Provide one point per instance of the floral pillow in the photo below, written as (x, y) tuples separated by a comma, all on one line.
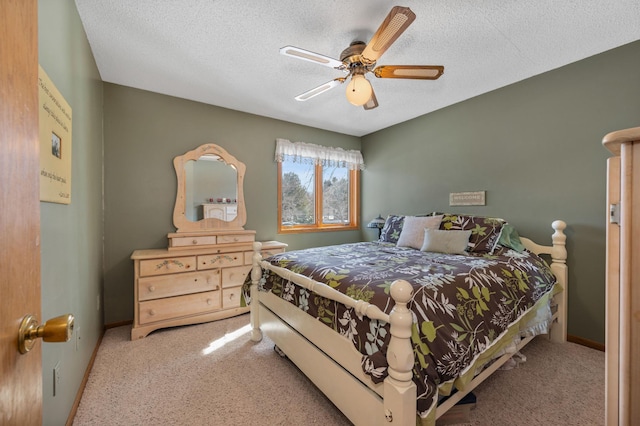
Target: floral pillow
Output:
[(392, 228), (485, 231)]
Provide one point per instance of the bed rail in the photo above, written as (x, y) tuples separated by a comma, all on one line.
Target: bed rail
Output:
[(360, 306)]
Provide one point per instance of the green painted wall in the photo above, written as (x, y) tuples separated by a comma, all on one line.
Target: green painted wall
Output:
[(143, 132), (535, 147), (71, 235)]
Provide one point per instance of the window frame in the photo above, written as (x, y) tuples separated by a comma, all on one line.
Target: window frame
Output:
[(318, 226)]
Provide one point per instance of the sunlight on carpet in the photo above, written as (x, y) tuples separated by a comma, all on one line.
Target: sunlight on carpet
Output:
[(227, 338)]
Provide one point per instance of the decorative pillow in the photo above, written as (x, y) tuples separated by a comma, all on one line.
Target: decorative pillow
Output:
[(412, 234), (485, 231), (391, 230), (510, 238), (441, 241)]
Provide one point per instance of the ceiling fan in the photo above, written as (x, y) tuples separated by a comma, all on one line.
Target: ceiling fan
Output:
[(360, 58)]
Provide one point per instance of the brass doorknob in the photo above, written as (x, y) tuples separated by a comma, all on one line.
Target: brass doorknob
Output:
[(58, 329)]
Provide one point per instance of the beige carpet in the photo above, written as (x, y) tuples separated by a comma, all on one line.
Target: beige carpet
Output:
[(187, 376)]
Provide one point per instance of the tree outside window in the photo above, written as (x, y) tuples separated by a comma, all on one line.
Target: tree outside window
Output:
[(315, 197)]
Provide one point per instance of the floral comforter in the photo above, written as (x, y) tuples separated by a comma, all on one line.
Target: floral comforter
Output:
[(460, 304)]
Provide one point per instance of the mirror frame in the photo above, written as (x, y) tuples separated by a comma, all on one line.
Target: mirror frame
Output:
[(180, 220)]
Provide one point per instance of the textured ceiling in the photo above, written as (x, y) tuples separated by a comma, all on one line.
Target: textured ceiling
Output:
[(226, 52)]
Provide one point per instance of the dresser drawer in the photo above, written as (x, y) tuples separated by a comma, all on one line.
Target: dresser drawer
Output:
[(219, 260), (194, 241), (173, 285), (235, 238), (174, 307), (167, 265), (233, 277), (231, 297)]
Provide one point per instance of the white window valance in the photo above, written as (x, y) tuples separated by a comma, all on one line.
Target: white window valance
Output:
[(309, 153)]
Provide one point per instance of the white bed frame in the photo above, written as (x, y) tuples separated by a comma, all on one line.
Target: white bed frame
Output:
[(332, 363)]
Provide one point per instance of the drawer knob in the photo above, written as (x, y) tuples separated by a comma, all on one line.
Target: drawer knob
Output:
[(195, 241), (152, 312), (231, 296), (209, 302), (235, 239), (152, 288)]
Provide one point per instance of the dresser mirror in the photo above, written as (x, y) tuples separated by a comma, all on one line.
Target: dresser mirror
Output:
[(210, 195)]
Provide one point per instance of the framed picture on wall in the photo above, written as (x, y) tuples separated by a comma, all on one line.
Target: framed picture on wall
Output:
[(55, 142), (56, 145)]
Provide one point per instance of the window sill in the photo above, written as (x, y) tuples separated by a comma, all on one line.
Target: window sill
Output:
[(325, 228)]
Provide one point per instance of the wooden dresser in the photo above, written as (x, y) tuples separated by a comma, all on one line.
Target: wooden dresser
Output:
[(622, 371), (196, 279)]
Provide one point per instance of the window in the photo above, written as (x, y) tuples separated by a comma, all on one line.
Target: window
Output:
[(318, 187)]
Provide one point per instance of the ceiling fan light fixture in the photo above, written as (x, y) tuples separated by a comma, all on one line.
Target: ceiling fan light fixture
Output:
[(359, 90), (359, 59)]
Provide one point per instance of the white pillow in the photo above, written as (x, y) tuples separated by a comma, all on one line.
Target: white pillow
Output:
[(412, 234), (445, 241)]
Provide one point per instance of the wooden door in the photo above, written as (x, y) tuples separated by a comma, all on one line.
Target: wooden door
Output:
[(20, 375)]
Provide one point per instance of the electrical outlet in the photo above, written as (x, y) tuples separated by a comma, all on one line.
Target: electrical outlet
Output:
[(56, 379), (76, 331)]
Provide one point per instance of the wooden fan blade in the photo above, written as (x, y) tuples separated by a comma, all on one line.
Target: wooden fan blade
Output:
[(418, 72), (316, 58), (391, 28), (320, 89), (372, 102)]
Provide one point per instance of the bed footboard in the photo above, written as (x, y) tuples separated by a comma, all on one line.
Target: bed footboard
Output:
[(399, 401)]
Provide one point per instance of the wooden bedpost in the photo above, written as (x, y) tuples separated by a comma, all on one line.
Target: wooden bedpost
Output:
[(559, 267), (558, 253), (399, 389), (256, 274)]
